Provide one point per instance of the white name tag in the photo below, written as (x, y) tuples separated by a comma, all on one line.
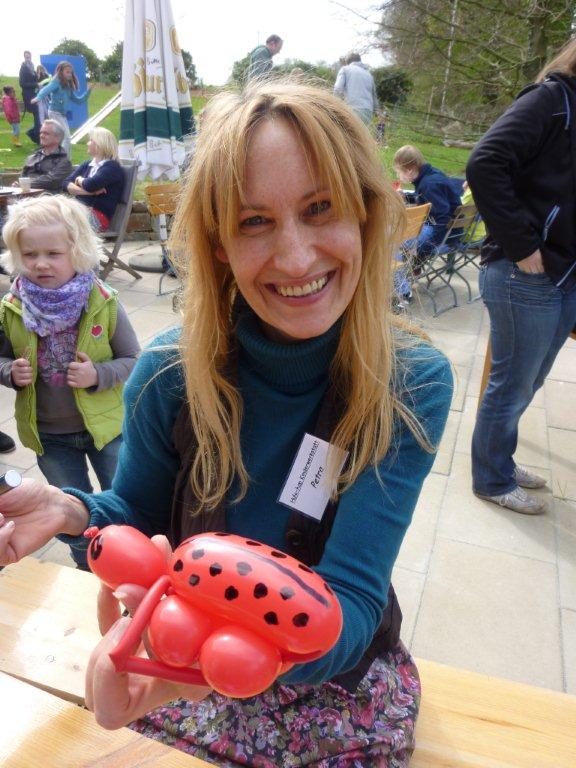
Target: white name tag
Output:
[(307, 489)]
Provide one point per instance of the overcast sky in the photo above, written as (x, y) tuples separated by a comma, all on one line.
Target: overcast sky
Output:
[(215, 33)]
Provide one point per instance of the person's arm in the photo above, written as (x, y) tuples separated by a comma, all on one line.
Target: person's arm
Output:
[(107, 174), (46, 90), (141, 493), (373, 517), (438, 195), (52, 179), (340, 84), (80, 98), (6, 360), (504, 151), (125, 348)]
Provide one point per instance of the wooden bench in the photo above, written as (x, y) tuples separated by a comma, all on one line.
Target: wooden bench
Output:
[(39, 729), (467, 720)]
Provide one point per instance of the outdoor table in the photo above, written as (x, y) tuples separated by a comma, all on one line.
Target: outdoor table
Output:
[(48, 625), (41, 729), (14, 193)]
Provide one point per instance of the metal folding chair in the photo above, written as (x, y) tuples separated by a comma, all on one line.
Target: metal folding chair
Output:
[(161, 201), (442, 263)]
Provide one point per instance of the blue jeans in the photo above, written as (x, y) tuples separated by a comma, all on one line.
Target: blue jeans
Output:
[(530, 319), (63, 463)]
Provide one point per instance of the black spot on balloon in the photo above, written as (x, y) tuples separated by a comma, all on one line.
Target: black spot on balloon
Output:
[(96, 547), (275, 553), (243, 568), (193, 579), (271, 618), (304, 568), (300, 619), (260, 590), (286, 593), (328, 589), (197, 554), (221, 534), (231, 593), (178, 565), (253, 543), (215, 569)]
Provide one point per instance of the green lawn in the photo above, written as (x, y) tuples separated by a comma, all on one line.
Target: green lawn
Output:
[(449, 159)]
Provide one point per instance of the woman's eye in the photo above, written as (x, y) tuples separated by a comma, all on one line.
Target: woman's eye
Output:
[(319, 207), (253, 221)]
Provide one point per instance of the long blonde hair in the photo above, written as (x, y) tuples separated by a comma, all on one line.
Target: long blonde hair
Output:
[(339, 147), (564, 61)]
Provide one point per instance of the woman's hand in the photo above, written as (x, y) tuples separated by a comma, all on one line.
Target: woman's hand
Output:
[(118, 698), (32, 514), (82, 373), (21, 372), (78, 180), (532, 264)]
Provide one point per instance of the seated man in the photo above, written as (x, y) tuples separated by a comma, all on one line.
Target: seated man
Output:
[(430, 186), (49, 165)]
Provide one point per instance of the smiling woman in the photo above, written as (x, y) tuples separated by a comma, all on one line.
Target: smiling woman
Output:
[(292, 408)]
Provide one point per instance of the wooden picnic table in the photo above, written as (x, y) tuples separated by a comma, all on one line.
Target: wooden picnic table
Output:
[(39, 729), (48, 629), (14, 193)]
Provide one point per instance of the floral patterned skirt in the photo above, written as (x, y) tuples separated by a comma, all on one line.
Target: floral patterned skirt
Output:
[(291, 726)]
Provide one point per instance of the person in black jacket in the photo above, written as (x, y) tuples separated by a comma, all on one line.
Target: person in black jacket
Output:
[(432, 186), (523, 174), (98, 182), (29, 85)]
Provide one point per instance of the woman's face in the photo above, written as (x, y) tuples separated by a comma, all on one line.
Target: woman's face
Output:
[(296, 264), (93, 150), (67, 73)]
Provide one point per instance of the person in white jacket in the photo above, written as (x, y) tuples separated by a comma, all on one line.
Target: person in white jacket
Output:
[(355, 85)]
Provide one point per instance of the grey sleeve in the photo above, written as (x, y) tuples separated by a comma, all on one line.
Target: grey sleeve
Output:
[(125, 348), (340, 84), (6, 360)]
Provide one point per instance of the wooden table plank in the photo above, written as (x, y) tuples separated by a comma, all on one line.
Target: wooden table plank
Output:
[(476, 721), (48, 625), (39, 729)]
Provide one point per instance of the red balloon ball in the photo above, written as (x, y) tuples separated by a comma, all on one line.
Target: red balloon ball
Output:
[(177, 631), (120, 554), (239, 663)]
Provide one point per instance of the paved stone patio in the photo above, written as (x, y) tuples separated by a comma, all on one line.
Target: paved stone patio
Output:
[(481, 587)]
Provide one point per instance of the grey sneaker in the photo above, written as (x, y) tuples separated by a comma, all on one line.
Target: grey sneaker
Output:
[(518, 501), (528, 479)]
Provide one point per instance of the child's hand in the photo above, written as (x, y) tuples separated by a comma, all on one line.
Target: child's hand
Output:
[(21, 372), (82, 374)]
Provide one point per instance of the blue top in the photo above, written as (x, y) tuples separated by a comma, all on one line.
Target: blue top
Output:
[(433, 186), (283, 387), (109, 176), (60, 97)]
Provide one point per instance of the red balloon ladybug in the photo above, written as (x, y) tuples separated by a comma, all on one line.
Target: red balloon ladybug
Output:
[(240, 610)]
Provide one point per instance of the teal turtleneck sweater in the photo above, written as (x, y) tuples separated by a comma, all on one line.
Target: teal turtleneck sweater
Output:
[(282, 387)]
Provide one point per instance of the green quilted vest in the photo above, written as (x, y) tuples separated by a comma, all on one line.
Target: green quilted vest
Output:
[(102, 412)]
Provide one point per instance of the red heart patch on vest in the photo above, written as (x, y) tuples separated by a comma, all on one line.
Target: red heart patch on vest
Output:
[(97, 331)]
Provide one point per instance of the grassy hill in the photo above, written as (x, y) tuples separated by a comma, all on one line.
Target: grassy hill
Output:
[(399, 131)]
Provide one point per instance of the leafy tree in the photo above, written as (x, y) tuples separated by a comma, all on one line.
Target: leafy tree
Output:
[(190, 68), (77, 48), (240, 70), (321, 69), (111, 69), (468, 58), (392, 84)]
